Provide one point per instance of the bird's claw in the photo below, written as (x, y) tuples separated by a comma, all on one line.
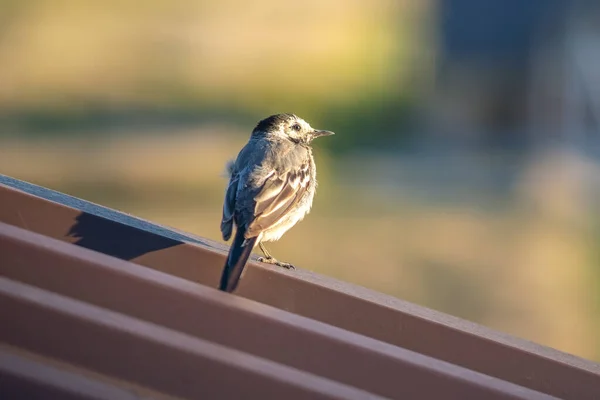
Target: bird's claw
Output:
[(285, 265), (273, 261)]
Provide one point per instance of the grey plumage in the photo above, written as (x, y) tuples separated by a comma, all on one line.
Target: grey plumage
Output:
[(271, 187)]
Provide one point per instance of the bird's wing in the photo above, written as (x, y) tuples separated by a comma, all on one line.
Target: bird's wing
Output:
[(229, 207), (279, 194)]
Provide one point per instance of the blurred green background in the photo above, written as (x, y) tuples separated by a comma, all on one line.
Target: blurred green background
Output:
[(464, 172)]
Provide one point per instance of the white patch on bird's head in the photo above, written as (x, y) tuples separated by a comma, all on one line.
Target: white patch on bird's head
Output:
[(296, 129), (288, 126)]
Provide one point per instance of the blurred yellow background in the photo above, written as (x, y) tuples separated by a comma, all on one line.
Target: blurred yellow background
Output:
[(463, 173)]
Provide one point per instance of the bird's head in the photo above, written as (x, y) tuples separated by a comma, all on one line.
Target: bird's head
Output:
[(290, 127)]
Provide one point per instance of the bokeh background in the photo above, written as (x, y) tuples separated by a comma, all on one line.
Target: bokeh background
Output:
[(464, 175)]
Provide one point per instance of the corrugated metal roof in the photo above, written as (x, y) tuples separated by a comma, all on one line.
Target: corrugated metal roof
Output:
[(98, 304)]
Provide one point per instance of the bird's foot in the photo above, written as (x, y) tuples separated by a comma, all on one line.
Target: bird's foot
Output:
[(271, 260)]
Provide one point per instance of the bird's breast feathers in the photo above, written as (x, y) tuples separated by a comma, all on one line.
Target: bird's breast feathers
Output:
[(282, 186)]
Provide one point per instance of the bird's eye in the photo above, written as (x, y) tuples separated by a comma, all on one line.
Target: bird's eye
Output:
[(296, 127)]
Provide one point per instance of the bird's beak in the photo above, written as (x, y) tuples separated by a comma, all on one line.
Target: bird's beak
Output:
[(317, 133)]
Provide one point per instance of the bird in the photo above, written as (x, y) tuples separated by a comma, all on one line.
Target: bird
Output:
[(272, 183)]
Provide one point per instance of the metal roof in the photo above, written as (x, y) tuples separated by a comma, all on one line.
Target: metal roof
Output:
[(97, 304)]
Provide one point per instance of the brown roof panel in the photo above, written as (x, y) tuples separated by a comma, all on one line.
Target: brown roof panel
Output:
[(242, 324), (352, 309), (148, 354), (29, 376)]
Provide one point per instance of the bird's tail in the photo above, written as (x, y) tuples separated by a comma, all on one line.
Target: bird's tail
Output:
[(236, 261)]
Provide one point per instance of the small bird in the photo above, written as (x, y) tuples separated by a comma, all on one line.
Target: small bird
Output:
[(271, 187)]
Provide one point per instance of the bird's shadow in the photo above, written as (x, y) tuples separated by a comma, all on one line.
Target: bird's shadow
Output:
[(122, 240)]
